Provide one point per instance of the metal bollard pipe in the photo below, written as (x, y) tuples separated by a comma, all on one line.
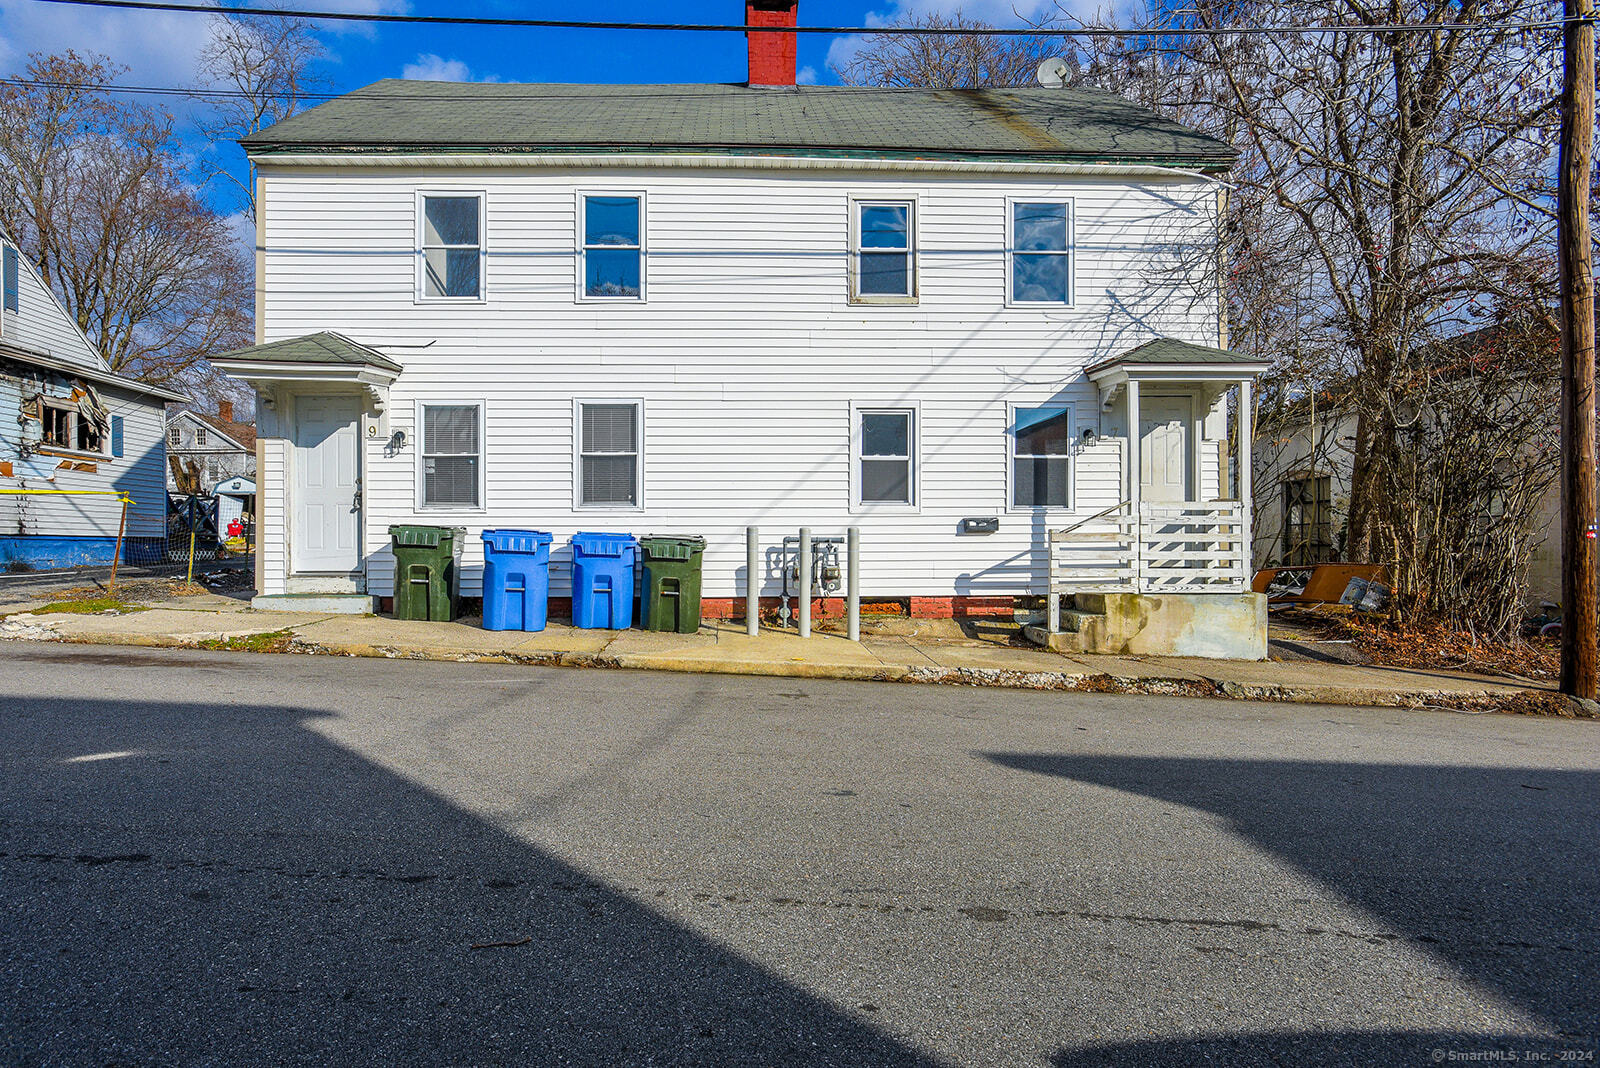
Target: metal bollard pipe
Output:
[(852, 601), (804, 567), (752, 581)]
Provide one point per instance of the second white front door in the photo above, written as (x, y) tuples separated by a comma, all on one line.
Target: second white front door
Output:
[(1164, 458), (326, 504)]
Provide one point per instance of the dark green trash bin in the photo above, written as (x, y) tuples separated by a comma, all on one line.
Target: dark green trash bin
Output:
[(427, 568), (672, 583)]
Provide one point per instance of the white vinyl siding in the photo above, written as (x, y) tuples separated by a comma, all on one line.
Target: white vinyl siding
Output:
[(451, 474), (610, 465), (746, 355)]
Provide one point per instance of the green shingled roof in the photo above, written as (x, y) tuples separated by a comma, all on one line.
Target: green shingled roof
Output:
[(1031, 123), (1171, 350), (323, 348)]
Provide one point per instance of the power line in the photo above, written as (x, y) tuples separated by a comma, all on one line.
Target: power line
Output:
[(884, 31)]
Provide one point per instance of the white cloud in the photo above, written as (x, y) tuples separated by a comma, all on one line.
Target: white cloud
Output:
[(158, 48), (806, 76), (433, 68)]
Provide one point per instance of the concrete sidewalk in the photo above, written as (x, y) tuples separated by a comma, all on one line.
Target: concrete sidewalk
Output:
[(913, 651)]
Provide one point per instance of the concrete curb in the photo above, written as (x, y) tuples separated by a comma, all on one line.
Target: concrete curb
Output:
[(992, 678)]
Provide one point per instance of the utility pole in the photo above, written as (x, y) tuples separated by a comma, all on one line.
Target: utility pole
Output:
[(1578, 651)]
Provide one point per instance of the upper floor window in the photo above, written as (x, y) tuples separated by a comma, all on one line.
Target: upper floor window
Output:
[(1040, 251), (1040, 464), (612, 255), (174, 436), (452, 246), (883, 253), (200, 435), (10, 270)]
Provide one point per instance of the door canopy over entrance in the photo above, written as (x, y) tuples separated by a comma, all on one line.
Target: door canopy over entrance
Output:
[(325, 358)]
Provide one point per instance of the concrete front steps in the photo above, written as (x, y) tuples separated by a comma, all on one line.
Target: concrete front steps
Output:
[(1227, 626)]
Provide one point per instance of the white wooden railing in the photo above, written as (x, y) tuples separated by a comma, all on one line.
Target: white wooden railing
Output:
[(1192, 547)]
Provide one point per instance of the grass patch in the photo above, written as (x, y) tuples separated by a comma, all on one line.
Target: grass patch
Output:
[(91, 606), (276, 641)]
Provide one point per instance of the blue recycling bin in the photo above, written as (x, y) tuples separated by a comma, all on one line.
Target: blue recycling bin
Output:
[(602, 580), (516, 579)]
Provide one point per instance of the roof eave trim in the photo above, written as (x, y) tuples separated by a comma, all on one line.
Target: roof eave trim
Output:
[(1207, 170), (21, 354), (1186, 372)]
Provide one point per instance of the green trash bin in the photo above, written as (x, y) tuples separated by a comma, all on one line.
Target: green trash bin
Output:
[(427, 569), (672, 583)]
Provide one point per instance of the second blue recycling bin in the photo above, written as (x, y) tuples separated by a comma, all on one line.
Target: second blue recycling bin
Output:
[(516, 579), (602, 580)]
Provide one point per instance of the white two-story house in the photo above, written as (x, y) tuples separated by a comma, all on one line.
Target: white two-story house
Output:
[(961, 321)]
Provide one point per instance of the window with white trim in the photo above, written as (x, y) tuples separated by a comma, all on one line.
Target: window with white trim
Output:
[(1041, 252), (609, 454), (885, 455), (611, 228), (883, 254), (452, 246), (174, 436), (452, 456), (199, 435), (1041, 475)]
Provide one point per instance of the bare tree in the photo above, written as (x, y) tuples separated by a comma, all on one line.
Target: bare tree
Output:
[(95, 196), (269, 66), (943, 60)]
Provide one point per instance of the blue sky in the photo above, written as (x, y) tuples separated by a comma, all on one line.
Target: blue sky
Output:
[(159, 47)]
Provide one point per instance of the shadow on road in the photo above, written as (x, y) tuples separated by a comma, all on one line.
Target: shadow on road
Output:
[(1490, 869), (189, 882)]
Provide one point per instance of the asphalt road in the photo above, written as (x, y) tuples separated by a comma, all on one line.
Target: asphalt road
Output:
[(215, 859)]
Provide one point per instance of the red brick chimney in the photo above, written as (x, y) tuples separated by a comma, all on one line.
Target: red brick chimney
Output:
[(225, 411), (772, 55)]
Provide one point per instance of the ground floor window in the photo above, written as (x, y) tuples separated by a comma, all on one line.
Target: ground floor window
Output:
[(1307, 521), (1039, 457), (885, 442), (452, 455), (609, 454)]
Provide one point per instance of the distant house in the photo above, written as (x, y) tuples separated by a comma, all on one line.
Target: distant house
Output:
[(218, 448), (74, 438), (1305, 454)]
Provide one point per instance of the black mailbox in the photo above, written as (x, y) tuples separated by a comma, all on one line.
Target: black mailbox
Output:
[(980, 524)]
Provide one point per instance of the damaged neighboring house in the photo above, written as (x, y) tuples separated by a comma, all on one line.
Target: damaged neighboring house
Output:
[(203, 450), (73, 437)]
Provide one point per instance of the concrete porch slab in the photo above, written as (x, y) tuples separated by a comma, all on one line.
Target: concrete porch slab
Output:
[(355, 604)]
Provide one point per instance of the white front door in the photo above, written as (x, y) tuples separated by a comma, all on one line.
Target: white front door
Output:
[(326, 505), (1164, 459)]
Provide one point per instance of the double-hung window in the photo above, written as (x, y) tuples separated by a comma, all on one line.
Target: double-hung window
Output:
[(885, 442), (1040, 464), (452, 246), (609, 433), (174, 436), (883, 253), (1040, 251), (452, 456), (1307, 521), (611, 257)]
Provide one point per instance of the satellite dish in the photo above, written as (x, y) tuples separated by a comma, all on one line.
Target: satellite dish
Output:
[(1053, 72)]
